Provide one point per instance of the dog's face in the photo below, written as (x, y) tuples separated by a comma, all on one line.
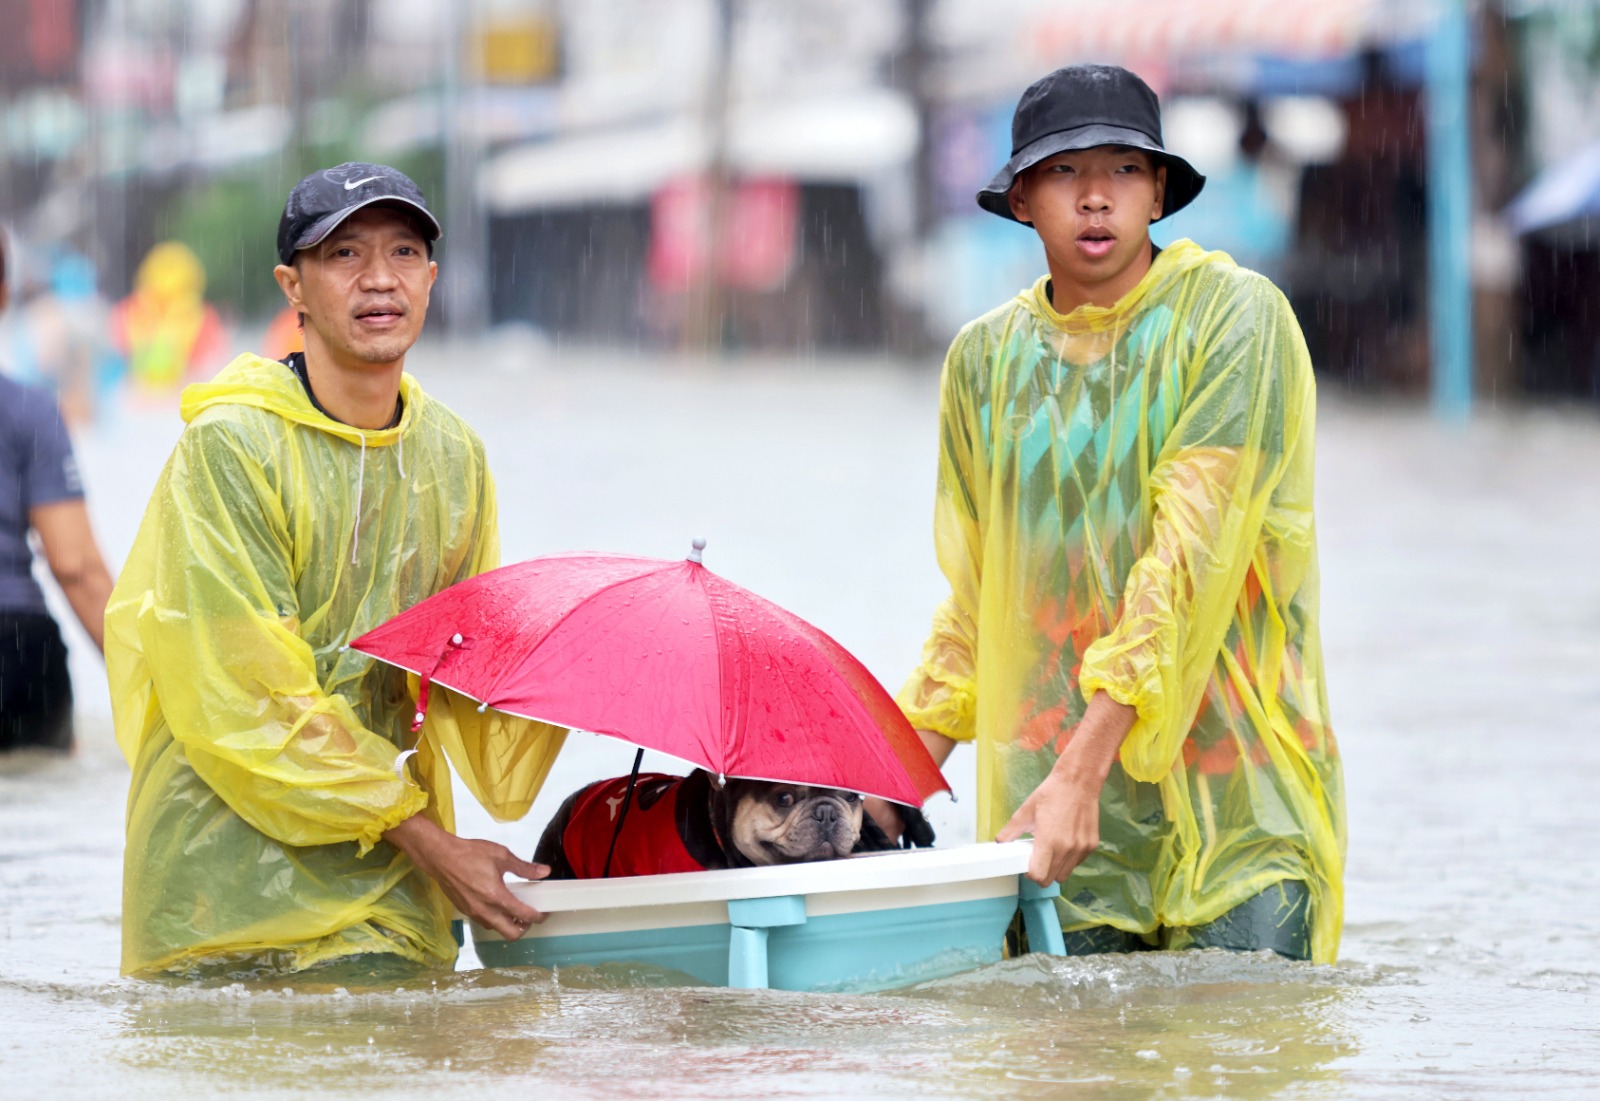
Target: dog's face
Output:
[(772, 823)]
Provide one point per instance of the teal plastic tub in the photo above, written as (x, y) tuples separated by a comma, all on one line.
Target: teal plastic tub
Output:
[(870, 922)]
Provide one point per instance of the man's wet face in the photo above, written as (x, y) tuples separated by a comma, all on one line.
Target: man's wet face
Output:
[(364, 288), (1092, 208)]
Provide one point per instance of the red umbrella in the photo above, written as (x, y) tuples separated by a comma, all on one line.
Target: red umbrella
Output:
[(668, 656)]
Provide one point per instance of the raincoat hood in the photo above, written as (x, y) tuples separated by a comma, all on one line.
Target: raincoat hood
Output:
[(255, 382), (1174, 263), (267, 384)]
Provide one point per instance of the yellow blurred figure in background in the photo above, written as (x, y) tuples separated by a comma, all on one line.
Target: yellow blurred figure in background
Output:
[(165, 327)]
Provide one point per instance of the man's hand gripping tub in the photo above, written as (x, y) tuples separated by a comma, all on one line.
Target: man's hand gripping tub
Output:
[(471, 873), (1063, 813)]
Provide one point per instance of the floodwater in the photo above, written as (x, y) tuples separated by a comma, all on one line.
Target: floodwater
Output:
[(1462, 624)]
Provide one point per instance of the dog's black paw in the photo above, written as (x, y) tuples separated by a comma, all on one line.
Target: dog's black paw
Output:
[(916, 832)]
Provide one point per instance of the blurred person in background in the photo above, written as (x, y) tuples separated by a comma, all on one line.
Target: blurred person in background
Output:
[(40, 491), (165, 327), (274, 823), (1124, 516), (56, 333)]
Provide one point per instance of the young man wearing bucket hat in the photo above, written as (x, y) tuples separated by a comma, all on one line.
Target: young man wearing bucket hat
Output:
[(272, 825), (1124, 515)]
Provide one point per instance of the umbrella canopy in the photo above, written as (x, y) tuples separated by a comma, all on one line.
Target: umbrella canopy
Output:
[(1563, 193), (668, 656)]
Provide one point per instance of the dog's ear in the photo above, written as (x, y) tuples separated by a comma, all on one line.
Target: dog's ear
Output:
[(917, 832), (872, 838)]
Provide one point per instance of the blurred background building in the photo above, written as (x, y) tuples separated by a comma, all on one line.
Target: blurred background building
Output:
[(1420, 176)]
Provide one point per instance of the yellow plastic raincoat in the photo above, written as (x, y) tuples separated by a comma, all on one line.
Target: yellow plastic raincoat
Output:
[(1124, 506), (263, 756)]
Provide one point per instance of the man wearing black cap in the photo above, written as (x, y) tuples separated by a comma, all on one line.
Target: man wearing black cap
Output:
[(273, 823), (1124, 516)]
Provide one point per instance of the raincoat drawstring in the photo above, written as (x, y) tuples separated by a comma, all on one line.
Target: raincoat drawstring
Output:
[(361, 478), (361, 475)]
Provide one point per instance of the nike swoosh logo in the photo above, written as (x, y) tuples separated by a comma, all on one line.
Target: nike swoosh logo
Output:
[(353, 184)]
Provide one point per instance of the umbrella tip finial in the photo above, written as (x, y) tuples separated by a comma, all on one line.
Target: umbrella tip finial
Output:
[(699, 545)]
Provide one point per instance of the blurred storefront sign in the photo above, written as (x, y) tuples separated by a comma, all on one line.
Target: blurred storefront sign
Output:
[(755, 245), (519, 51), (39, 43)]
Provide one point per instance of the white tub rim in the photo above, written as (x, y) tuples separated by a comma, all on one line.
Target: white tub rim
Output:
[(863, 872)]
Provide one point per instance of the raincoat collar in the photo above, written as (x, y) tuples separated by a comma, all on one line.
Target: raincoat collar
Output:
[(262, 383), (1176, 259)]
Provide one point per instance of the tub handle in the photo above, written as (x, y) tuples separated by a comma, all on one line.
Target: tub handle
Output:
[(751, 919), (1039, 916)]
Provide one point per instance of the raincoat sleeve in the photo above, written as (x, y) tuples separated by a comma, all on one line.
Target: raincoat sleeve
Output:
[(503, 760), (1248, 397), (236, 682), (940, 695)]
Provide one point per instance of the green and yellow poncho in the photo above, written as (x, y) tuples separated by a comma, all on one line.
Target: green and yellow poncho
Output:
[(1124, 505), (263, 755)]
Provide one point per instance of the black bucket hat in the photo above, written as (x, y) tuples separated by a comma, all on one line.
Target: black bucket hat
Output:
[(321, 201), (1080, 107)]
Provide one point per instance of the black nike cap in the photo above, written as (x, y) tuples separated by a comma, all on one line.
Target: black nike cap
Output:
[(324, 199)]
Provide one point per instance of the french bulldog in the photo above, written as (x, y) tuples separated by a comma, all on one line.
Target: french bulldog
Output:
[(699, 822)]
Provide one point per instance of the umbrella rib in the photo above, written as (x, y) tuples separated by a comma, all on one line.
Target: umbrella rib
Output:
[(495, 686), (716, 648)]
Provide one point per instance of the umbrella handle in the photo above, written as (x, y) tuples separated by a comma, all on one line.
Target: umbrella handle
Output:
[(622, 815)]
